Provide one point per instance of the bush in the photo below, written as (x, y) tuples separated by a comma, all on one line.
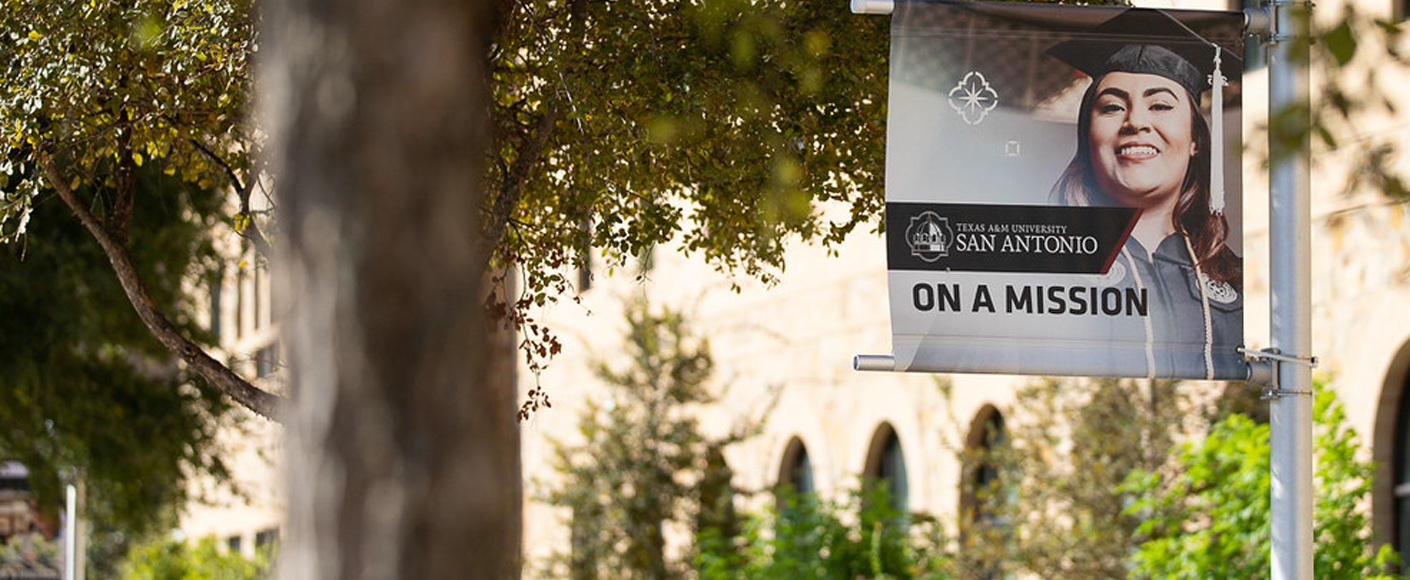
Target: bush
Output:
[(176, 560), (1212, 520), (861, 537)]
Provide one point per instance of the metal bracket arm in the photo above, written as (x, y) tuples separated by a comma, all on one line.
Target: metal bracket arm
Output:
[(874, 362), (1263, 370), (873, 6), (1277, 355)]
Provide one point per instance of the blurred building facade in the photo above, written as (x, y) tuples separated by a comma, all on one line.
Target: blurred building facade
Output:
[(783, 356), (832, 426), (247, 513)]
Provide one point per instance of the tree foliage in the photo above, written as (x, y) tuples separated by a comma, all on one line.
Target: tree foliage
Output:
[(643, 465), (179, 560), (644, 470), (721, 122), (861, 536), (1357, 50), (102, 88), (134, 113), (30, 555), (86, 393), (1055, 506), (1212, 517), (1090, 485), (92, 93), (724, 126)]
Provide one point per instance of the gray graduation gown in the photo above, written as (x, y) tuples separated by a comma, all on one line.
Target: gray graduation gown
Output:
[(1177, 341)]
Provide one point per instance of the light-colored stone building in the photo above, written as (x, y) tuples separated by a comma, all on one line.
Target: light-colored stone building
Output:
[(795, 341)]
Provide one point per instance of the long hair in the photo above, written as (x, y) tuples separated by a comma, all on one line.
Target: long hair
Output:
[(1207, 232)]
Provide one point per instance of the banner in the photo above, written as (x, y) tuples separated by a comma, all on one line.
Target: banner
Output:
[(1063, 190)]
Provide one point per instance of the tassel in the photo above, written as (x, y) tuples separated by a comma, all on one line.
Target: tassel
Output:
[(1216, 139)]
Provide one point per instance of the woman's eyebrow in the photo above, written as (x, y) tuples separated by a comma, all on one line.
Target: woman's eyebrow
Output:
[(1156, 90), (1115, 92)]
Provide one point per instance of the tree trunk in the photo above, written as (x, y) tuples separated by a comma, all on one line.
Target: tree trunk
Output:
[(403, 453)]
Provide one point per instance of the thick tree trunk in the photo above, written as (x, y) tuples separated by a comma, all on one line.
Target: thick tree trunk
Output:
[(403, 452)]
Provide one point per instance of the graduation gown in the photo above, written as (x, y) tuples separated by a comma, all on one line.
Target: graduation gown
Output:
[(1193, 325)]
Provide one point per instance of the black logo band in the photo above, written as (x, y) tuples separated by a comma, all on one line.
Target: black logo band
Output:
[(1005, 238)]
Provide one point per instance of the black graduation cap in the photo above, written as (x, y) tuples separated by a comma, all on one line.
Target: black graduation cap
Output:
[(1149, 41)]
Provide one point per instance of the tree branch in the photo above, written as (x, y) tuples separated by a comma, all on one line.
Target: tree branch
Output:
[(243, 190), (512, 188), (221, 377), (126, 184)]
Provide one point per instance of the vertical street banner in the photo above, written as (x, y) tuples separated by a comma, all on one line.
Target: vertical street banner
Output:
[(1063, 190)]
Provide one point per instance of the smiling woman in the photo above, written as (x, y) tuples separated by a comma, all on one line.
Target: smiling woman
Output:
[(1142, 142)]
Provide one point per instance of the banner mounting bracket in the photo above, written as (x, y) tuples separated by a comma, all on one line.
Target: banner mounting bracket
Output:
[(1263, 370)]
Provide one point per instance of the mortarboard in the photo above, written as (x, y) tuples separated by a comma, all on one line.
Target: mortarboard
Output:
[(1144, 40), (1149, 41)]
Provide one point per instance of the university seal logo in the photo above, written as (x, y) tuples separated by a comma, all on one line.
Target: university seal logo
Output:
[(929, 236)]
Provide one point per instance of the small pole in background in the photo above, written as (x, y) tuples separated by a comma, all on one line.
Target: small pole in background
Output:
[(75, 544)]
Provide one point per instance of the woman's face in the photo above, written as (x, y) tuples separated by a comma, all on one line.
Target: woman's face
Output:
[(1140, 139)]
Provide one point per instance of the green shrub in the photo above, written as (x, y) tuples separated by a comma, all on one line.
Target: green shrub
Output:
[(177, 560), (860, 537), (1212, 520)]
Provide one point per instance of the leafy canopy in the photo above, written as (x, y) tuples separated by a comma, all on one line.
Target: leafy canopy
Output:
[(718, 121), (725, 126), (99, 85), (138, 106)]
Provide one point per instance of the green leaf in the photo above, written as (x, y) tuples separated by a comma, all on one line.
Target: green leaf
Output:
[(1341, 43)]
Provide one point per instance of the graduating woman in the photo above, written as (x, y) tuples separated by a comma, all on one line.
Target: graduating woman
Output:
[(1142, 142)]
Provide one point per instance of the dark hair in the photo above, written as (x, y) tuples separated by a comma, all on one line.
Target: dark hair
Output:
[(1207, 232)]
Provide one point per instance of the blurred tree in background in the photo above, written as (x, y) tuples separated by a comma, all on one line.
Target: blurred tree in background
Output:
[(1133, 479), (860, 536), (86, 393), (1053, 504), (643, 469)]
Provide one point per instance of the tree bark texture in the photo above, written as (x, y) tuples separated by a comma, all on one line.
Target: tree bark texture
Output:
[(403, 452)]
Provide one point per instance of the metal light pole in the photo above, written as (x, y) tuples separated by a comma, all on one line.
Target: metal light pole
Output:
[(1290, 288)]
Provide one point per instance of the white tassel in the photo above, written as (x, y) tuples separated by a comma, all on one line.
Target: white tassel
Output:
[(1216, 139)]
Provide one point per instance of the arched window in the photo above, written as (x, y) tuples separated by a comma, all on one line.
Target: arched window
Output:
[(983, 493), (796, 470), (980, 491), (1390, 507), (1401, 487), (886, 465), (795, 476)]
